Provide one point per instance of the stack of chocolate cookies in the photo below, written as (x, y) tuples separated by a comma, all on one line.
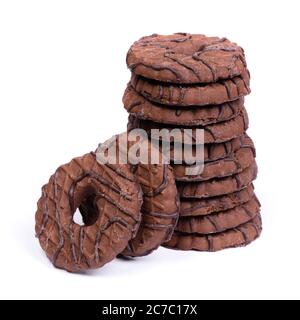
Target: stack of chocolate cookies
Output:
[(196, 82), (130, 208)]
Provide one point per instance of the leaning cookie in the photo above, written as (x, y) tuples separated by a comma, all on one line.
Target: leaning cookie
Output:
[(237, 237), (160, 209), (112, 222), (186, 58), (142, 108)]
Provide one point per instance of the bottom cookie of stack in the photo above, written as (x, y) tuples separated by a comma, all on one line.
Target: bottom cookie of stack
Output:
[(201, 229)]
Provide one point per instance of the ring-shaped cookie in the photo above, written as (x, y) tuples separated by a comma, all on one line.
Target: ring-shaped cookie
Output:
[(112, 222), (160, 209)]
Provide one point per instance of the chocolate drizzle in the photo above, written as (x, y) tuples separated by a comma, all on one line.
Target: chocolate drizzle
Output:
[(218, 186), (217, 241), (210, 241), (244, 235), (221, 114), (73, 246), (193, 94), (160, 187), (241, 159), (189, 116), (161, 215), (219, 221), (109, 223), (197, 57), (237, 87), (238, 181), (117, 205), (57, 220), (81, 239), (227, 90), (45, 213), (183, 91), (171, 93), (206, 81), (190, 58), (245, 84), (172, 56), (202, 207), (66, 242), (211, 132), (183, 39), (93, 175), (133, 66), (213, 223)]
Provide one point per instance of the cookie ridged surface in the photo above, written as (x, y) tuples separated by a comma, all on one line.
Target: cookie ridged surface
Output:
[(213, 133), (235, 163), (142, 108), (117, 200), (220, 221), (211, 151), (217, 187), (201, 207), (160, 209), (186, 58), (192, 95), (237, 237)]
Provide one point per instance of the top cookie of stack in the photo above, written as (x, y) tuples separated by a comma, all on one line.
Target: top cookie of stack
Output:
[(188, 59)]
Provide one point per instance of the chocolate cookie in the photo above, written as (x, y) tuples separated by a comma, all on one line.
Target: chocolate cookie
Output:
[(144, 109), (237, 237), (160, 209), (220, 221), (192, 95), (201, 207), (235, 163), (186, 58), (219, 186), (112, 222), (212, 151), (213, 133)]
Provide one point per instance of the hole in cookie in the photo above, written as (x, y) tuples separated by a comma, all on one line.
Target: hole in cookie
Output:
[(87, 213), (77, 218)]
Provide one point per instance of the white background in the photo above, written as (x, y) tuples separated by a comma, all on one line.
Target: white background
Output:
[(62, 76)]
